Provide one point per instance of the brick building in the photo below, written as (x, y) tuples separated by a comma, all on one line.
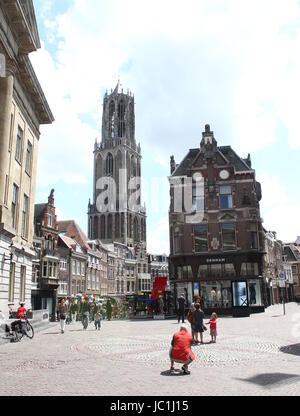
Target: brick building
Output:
[(45, 280), (217, 245), (88, 260)]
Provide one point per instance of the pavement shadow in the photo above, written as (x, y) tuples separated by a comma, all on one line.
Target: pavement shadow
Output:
[(177, 373), (291, 349), (270, 379)]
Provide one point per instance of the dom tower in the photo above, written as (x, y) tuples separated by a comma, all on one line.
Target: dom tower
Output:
[(116, 214)]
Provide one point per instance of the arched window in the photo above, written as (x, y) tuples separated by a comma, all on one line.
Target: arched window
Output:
[(117, 226), (103, 234), (121, 115), (95, 234), (131, 121), (109, 165), (136, 230), (109, 227), (133, 167), (112, 109), (122, 225)]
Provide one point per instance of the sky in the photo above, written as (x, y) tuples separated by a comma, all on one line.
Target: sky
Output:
[(232, 64)]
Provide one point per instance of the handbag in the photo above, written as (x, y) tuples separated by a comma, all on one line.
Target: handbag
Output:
[(190, 317), (62, 316)]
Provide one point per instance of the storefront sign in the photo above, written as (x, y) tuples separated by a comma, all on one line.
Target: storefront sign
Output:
[(215, 261)]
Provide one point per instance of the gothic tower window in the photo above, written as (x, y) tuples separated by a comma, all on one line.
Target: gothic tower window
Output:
[(112, 110), (133, 167), (122, 225), (95, 234), (109, 165), (121, 115), (131, 121), (117, 226), (103, 223), (136, 230), (109, 227)]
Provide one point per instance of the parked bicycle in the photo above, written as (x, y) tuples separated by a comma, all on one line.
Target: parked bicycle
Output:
[(21, 327)]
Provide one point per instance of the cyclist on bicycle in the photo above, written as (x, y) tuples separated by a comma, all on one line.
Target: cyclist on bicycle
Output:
[(21, 313), (85, 313)]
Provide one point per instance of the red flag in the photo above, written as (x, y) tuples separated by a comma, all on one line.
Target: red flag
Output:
[(159, 287)]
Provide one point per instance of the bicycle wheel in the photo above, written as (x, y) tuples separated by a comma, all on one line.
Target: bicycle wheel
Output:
[(29, 330), (18, 333)]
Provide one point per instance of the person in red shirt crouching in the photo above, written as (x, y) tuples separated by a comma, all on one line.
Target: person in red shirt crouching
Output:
[(213, 327), (181, 351)]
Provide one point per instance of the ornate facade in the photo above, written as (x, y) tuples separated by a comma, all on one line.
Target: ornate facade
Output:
[(116, 215)]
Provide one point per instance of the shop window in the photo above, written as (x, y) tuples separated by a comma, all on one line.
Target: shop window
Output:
[(239, 294), (216, 294), (228, 235), (187, 290), (200, 234), (254, 294)]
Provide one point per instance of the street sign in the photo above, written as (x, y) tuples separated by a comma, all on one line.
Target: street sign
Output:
[(282, 283), (281, 276)]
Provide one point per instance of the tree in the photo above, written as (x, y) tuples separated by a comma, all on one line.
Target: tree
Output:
[(108, 310)]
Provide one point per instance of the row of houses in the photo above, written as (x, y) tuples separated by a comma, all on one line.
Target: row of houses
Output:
[(68, 264)]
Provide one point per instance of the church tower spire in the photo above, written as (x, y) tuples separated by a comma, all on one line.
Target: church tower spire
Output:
[(118, 120), (118, 159)]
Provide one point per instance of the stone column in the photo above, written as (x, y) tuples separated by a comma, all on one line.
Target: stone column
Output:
[(6, 95)]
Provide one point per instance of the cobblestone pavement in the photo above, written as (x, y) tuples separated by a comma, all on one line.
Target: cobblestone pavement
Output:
[(259, 355)]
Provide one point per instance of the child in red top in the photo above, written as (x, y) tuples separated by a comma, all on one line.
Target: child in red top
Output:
[(213, 327)]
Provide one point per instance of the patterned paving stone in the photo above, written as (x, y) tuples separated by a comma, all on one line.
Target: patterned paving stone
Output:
[(259, 355)]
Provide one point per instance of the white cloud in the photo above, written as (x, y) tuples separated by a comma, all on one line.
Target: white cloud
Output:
[(230, 64), (158, 237), (279, 211)]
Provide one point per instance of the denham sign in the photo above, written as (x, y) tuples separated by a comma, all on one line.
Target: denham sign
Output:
[(215, 261)]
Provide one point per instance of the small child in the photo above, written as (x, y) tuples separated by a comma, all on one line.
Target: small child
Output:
[(213, 327), (98, 319)]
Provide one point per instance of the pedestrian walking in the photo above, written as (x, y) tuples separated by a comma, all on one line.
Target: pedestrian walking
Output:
[(180, 351), (98, 319), (213, 327), (74, 309), (181, 307), (62, 315), (198, 324)]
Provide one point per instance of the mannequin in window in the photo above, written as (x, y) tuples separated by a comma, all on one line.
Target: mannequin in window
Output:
[(252, 294)]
